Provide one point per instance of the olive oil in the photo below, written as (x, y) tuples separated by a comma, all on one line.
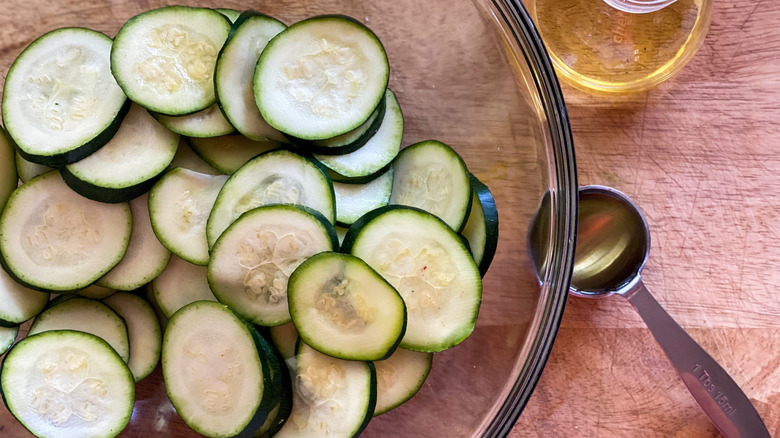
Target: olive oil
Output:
[(611, 243), (598, 47)]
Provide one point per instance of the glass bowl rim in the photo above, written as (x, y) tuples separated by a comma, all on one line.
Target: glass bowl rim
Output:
[(521, 34)]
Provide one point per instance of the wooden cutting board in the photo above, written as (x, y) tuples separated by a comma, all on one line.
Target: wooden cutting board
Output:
[(701, 156)]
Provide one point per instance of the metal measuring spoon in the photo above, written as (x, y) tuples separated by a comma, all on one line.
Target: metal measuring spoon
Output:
[(613, 243)]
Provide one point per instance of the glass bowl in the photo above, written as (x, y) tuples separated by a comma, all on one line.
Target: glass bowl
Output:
[(475, 75)]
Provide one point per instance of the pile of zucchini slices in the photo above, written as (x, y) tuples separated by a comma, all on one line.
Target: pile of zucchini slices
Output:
[(227, 196)]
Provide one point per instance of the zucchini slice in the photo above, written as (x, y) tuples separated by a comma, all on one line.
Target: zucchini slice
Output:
[(18, 303), (143, 332), (145, 258), (430, 175), (277, 394), (481, 229), (205, 123), (179, 284), (399, 377), (429, 265), (179, 206), (348, 142), (343, 308), (164, 58), (355, 200), (96, 292), (235, 69), (377, 153), (231, 14), (274, 177), (129, 164), (8, 169), (332, 398), (7, 337), (68, 384), (284, 337), (53, 239), (187, 158), (60, 101), (229, 152), (28, 170), (252, 261), (85, 315), (341, 232), (321, 77), (212, 370)]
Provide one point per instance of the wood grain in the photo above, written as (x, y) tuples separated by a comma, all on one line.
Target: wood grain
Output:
[(701, 156)]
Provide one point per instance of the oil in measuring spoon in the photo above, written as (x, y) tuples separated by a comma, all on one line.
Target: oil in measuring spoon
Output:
[(598, 47), (611, 244)]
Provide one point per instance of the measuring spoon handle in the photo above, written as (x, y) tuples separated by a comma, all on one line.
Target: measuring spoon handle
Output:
[(716, 392)]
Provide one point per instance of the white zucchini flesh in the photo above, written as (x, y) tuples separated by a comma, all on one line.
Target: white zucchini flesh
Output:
[(187, 158), (209, 122), (378, 151), (431, 176), (60, 94), (429, 266), (28, 170), (332, 397), (355, 200), (96, 292), (275, 177), (212, 369), (343, 308), (252, 261), (234, 72), (143, 332), (179, 284), (140, 150), (85, 315), (145, 258), (179, 207), (229, 152), (321, 77), (68, 384), (18, 303), (52, 238), (399, 377), (7, 338), (164, 58), (8, 169)]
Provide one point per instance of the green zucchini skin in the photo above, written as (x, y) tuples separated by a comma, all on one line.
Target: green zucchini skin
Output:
[(106, 194), (337, 177), (271, 391), (312, 146), (285, 396), (490, 211), (371, 400), (83, 151), (9, 172)]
